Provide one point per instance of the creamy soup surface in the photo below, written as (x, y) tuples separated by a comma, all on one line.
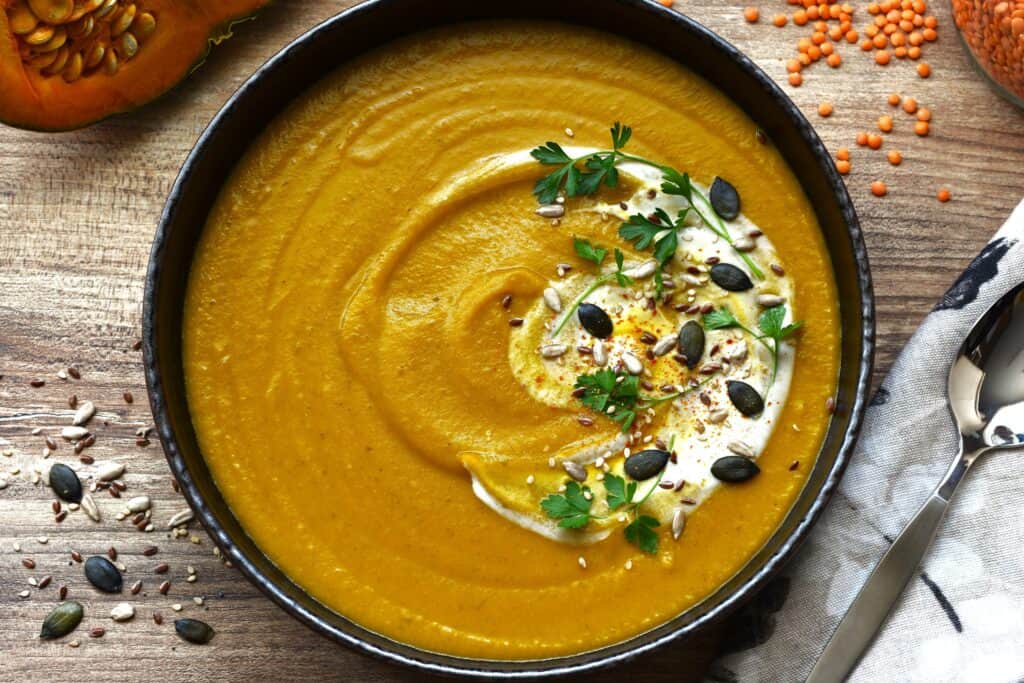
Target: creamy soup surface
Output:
[(383, 353)]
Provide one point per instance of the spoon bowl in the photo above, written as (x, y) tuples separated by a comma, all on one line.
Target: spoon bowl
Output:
[(986, 396)]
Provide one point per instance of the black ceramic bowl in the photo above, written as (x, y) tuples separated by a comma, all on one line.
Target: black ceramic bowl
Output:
[(367, 26)]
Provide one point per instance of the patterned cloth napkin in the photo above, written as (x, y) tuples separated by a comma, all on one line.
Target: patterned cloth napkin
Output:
[(962, 618)]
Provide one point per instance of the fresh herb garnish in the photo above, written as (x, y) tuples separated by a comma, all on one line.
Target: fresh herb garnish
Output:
[(606, 388), (770, 324), (599, 168), (595, 254), (572, 508)]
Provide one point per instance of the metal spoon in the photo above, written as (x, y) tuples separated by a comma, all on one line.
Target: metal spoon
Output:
[(986, 396)]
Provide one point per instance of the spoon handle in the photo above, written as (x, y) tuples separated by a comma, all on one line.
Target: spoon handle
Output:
[(878, 595)]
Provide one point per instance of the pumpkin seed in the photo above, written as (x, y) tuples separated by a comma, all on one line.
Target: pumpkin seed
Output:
[(60, 36), (102, 573), (65, 483), (194, 631), (21, 20), (94, 56), (725, 200), (143, 26), (52, 11), (110, 63), (40, 35), (595, 321), (734, 469), (730, 278), (58, 63), (646, 464), (82, 28), (122, 21), (127, 46), (745, 398), (64, 618), (73, 71), (691, 343)]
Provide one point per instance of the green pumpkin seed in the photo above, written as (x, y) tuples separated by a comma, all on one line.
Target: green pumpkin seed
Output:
[(194, 631), (734, 469), (730, 278), (65, 483), (745, 398), (646, 464), (691, 343), (102, 573), (64, 618), (595, 321), (725, 200)]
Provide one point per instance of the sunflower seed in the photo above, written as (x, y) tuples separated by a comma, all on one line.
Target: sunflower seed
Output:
[(180, 518), (664, 345), (600, 354), (741, 448), (744, 244), (575, 470), (553, 350), (90, 508), (718, 416), (551, 211), (139, 504), (770, 300), (644, 270), (74, 433), (737, 353), (632, 363), (678, 522), (84, 413), (110, 471), (552, 299)]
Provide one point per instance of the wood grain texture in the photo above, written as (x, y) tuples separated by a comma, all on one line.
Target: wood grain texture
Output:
[(78, 211)]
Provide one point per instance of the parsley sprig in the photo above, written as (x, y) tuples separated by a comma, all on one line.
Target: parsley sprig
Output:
[(596, 255), (599, 168), (770, 323), (606, 388), (574, 508)]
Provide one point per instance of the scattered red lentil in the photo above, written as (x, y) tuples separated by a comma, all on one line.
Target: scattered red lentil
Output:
[(885, 123), (843, 154), (795, 80), (878, 188), (780, 20), (825, 109), (862, 139), (751, 14), (924, 114), (894, 99), (910, 105), (894, 157), (921, 128), (874, 141), (843, 166), (943, 195)]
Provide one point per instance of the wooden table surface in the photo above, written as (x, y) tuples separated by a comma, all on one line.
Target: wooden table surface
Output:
[(78, 211)]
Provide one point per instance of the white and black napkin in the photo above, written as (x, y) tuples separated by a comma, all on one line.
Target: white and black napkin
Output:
[(962, 617)]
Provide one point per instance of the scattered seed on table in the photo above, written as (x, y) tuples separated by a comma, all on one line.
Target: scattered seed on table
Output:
[(924, 114), (795, 80), (862, 139), (825, 109), (894, 157), (921, 128), (878, 188), (910, 105), (780, 20), (128, 398), (894, 99), (74, 372), (923, 70), (885, 123), (37, 383), (751, 14), (874, 141)]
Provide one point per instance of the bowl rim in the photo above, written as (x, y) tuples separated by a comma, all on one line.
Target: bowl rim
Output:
[(397, 652)]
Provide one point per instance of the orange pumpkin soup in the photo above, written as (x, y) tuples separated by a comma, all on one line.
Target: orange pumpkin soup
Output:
[(434, 397)]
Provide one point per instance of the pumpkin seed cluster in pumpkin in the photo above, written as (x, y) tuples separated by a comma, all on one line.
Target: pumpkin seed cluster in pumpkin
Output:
[(76, 38)]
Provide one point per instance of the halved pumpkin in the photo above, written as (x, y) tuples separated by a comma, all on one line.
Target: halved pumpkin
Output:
[(67, 63)]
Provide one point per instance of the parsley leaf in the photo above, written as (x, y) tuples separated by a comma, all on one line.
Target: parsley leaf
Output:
[(771, 321), (598, 168), (620, 135), (589, 252), (551, 154), (603, 389), (720, 319), (619, 493), (620, 276), (571, 508), (640, 533)]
